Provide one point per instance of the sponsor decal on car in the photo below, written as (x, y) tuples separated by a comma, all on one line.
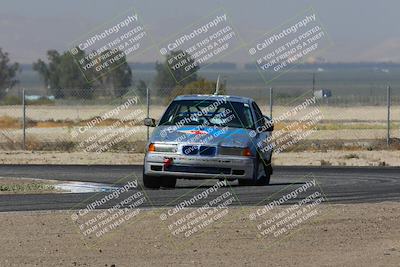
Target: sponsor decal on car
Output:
[(195, 132)]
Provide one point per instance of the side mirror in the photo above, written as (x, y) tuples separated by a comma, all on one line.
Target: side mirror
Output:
[(150, 122), (269, 125), (270, 128)]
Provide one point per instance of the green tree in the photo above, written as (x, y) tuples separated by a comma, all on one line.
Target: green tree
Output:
[(170, 75), (8, 73), (116, 78), (141, 88), (72, 80), (63, 76)]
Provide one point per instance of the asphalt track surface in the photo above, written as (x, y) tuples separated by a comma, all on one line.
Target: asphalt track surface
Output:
[(336, 184)]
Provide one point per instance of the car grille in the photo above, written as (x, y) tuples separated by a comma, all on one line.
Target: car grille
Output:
[(194, 150), (207, 151), (193, 169)]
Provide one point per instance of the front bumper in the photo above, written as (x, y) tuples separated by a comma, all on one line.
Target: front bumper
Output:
[(199, 167)]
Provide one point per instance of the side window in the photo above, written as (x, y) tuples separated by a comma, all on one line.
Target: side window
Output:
[(259, 117), (248, 116)]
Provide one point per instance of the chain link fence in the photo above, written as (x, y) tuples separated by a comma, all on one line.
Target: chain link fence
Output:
[(110, 123)]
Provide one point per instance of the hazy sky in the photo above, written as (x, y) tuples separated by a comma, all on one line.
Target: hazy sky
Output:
[(362, 30)]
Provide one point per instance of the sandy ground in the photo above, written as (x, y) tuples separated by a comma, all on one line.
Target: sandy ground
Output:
[(348, 235), (339, 158), (43, 157)]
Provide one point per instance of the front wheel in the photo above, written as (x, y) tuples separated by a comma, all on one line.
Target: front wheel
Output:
[(152, 182), (262, 174), (168, 182), (245, 182), (264, 180)]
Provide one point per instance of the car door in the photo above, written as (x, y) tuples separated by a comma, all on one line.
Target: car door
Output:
[(262, 135)]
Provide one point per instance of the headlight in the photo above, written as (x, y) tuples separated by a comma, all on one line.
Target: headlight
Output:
[(162, 148), (235, 151)]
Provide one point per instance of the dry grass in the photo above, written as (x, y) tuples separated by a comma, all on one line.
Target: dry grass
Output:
[(24, 186), (351, 156), (43, 113), (7, 122), (50, 127)]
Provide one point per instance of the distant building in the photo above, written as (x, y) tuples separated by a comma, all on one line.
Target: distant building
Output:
[(37, 97), (324, 93)]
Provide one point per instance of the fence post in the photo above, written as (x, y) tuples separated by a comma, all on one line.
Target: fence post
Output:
[(148, 110), (313, 83), (23, 119), (270, 101), (388, 116)]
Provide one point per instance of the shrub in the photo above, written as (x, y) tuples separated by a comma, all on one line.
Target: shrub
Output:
[(41, 101), (11, 100), (351, 156), (201, 87)]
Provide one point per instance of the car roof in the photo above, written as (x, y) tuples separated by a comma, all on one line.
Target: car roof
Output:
[(215, 97)]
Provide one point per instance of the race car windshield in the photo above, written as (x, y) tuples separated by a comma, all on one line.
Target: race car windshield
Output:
[(208, 113)]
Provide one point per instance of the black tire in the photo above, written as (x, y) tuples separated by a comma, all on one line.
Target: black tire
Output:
[(267, 177), (264, 180), (151, 182), (245, 182), (168, 182)]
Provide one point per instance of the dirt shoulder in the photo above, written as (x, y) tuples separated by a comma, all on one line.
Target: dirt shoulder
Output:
[(350, 235), (334, 157)]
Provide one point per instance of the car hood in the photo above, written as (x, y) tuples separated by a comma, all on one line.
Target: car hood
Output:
[(216, 136)]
